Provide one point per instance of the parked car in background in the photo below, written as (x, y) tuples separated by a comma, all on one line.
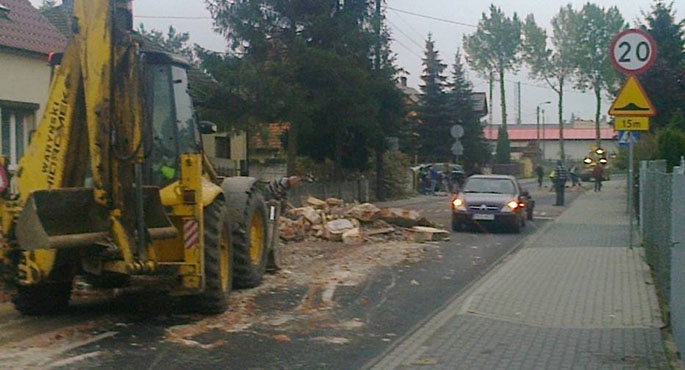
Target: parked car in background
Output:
[(492, 200), (452, 172)]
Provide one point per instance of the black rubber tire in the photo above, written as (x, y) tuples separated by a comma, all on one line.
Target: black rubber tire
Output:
[(456, 225), (516, 226), (248, 270), (42, 299), (217, 241)]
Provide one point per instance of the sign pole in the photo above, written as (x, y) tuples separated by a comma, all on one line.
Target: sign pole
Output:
[(632, 52), (630, 191)]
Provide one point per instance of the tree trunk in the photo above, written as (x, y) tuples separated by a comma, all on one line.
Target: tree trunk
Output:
[(598, 97), (291, 160), (561, 120), (491, 84), (503, 101), (337, 163), (380, 172)]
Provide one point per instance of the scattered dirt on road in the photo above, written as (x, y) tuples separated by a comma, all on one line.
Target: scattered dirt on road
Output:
[(317, 269), (296, 300)]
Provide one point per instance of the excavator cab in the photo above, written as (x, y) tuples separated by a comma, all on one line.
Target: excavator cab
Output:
[(173, 126)]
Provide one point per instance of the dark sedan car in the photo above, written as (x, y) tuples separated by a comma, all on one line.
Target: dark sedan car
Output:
[(492, 200)]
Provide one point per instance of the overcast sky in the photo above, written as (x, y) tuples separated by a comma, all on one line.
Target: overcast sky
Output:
[(410, 32)]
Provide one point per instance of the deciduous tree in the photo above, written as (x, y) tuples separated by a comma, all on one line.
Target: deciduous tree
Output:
[(494, 47), (552, 65), (594, 70)]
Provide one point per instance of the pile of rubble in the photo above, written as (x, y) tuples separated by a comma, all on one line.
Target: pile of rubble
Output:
[(355, 224)]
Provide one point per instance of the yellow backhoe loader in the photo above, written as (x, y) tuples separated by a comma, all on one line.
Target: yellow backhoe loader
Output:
[(114, 186)]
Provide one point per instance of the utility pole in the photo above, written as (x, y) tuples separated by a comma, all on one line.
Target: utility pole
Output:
[(518, 102), (540, 154), (380, 145)]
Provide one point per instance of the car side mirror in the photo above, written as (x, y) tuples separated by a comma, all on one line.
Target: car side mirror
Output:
[(525, 193)]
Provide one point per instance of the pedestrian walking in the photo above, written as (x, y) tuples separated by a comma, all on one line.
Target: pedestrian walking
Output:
[(574, 177), (422, 177), (539, 171), (434, 177), (598, 175), (560, 176)]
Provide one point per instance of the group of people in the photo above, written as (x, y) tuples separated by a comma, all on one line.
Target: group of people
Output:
[(560, 176), (431, 179)]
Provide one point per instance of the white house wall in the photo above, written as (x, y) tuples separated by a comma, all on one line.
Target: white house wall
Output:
[(575, 150), (24, 79)]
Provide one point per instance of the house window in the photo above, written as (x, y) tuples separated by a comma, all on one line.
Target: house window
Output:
[(222, 146), (16, 124)]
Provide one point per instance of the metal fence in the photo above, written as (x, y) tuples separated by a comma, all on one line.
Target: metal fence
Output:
[(662, 211), (655, 222), (678, 258)]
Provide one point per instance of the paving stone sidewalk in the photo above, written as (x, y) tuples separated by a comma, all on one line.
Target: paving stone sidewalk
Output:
[(575, 296)]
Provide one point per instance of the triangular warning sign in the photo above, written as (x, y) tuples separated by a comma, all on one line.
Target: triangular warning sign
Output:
[(632, 100)]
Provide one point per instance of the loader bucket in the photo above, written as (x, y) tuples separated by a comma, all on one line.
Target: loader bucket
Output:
[(61, 218), (68, 218)]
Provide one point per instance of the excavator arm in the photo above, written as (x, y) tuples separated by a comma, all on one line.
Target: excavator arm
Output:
[(80, 181)]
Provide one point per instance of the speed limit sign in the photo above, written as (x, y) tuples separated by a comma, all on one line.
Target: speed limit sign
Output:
[(632, 51)]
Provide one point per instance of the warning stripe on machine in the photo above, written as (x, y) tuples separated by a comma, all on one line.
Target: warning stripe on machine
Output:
[(191, 233)]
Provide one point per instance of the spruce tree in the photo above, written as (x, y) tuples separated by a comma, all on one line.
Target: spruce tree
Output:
[(663, 82), (434, 115), (461, 107)]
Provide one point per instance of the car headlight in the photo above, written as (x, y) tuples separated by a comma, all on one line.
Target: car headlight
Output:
[(511, 206), (458, 203)]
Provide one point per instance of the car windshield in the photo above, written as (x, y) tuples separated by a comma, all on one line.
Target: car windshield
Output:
[(489, 185)]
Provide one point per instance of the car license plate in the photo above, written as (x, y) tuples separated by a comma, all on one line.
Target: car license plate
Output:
[(483, 216)]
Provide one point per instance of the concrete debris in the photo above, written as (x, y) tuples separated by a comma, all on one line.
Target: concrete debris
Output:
[(354, 224), (316, 203), (365, 212), (404, 217), (334, 229), (309, 213), (334, 202), (352, 237), (420, 234), (292, 230)]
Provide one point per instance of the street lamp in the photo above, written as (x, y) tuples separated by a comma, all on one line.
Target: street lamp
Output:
[(537, 110)]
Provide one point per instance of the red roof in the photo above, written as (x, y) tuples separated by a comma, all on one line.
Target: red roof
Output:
[(549, 133), (272, 139), (24, 28)]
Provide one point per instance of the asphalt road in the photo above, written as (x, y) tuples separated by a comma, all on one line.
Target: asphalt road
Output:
[(366, 320)]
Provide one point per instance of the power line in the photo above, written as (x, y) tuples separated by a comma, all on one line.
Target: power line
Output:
[(432, 18), (171, 17), (405, 35), (411, 27), (410, 50)]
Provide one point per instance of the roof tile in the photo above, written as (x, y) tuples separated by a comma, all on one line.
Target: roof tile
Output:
[(24, 28)]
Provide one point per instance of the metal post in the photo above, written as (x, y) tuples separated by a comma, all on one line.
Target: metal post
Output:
[(630, 190), (537, 126), (540, 155), (544, 151)]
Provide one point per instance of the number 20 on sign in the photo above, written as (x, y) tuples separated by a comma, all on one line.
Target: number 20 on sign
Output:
[(631, 123)]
